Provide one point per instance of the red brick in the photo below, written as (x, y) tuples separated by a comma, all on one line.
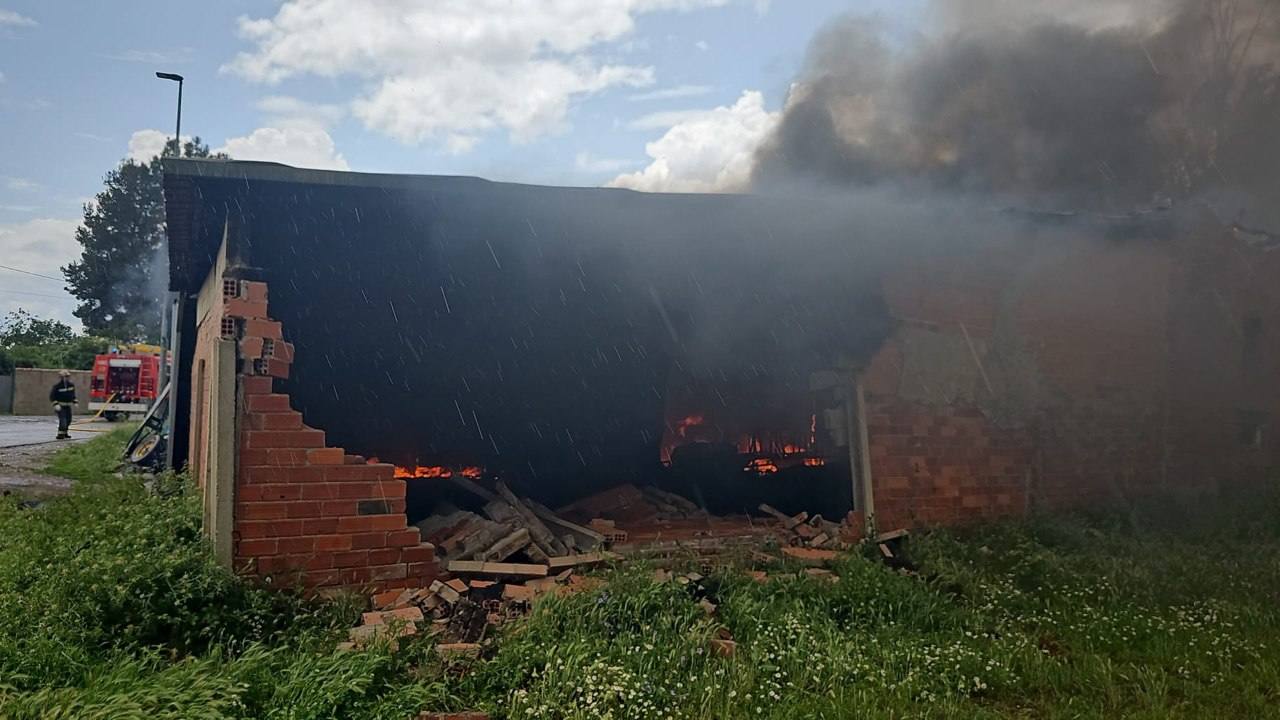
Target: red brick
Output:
[(252, 548), (371, 540), (256, 386), (384, 556), (338, 508), (310, 561), (299, 474), (304, 544), (266, 401), (260, 439), (325, 456), (390, 489), (251, 347), (277, 368), (284, 351), (304, 509), (333, 543), (262, 510), (273, 457), (268, 492), (273, 421), (356, 575), (253, 291), (424, 552), (402, 538), (355, 490), (320, 526), (268, 528), (370, 523), (423, 570), (263, 328), (243, 308), (389, 572), (353, 558), (321, 578), (319, 491), (378, 471)]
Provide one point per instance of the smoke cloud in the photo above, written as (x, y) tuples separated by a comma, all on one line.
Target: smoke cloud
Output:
[(1105, 105)]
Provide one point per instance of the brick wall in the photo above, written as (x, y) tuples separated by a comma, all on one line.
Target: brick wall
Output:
[(943, 466), (1047, 386), (305, 511)]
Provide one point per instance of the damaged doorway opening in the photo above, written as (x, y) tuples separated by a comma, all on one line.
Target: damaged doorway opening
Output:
[(727, 449)]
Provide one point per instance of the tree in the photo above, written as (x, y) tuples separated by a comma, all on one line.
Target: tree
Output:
[(27, 341), (22, 328), (121, 276)]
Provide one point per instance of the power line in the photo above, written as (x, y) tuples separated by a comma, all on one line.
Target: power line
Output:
[(19, 292), (34, 274)]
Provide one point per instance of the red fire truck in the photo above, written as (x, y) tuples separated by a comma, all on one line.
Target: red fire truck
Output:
[(124, 381)]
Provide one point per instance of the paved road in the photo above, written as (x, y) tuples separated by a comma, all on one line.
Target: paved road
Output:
[(30, 429), (26, 442)]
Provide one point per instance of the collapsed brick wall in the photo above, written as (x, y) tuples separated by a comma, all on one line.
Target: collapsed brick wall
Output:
[(304, 511)]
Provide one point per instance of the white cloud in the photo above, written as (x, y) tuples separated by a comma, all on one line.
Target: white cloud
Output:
[(528, 100), (147, 144), (679, 91), (452, 71), (300, 144), (708, 152), (283, 108), (21, 184), (42, 246), (702, 45), (586, 162), (663, 120), (9, 17), (172, 56)]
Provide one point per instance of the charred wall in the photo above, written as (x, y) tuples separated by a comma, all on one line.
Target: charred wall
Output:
[(534, 330)]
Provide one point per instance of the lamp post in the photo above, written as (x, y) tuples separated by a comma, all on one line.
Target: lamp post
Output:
[(170, 317), (177, 133)]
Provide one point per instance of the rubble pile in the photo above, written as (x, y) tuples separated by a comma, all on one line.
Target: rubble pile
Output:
[(809, 531), (459, 612)]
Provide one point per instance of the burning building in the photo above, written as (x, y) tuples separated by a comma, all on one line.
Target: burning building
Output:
[(353, 344)]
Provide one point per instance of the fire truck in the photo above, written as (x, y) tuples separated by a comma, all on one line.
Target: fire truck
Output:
[(124, 381)]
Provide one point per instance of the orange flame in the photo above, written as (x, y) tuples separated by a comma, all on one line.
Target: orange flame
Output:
[(761, 466), (423, 471), (683, 424)]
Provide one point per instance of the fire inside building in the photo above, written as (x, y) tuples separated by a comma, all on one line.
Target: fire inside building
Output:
[(365, 357)]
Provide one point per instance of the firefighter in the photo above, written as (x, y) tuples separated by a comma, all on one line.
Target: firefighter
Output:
[(63, 397)]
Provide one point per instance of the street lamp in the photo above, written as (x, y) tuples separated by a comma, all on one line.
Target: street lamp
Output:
[(172, 310), (177, 133)]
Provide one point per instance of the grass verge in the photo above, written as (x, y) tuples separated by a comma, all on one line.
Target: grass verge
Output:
[(111, 606), (94, 460)]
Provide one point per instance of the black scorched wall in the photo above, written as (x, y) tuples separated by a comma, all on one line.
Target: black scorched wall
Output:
[(530, 329)]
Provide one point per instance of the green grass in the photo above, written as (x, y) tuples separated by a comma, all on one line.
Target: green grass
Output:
[(111, 606), (94, 460)]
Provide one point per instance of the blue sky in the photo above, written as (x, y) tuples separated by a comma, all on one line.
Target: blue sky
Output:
[(650, 94)]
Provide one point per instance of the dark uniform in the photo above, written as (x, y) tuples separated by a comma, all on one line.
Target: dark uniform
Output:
[(63, 397)]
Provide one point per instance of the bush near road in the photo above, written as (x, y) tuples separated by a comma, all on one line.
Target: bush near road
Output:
[(111, 606)]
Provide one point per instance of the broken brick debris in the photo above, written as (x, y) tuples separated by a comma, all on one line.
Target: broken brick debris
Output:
[(807, 530), (810, 556)]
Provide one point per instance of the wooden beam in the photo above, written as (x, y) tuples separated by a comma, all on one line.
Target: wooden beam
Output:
[(474, 567), (565, 561)]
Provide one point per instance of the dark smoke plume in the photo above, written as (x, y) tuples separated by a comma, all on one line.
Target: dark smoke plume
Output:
[(1106, 106)]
